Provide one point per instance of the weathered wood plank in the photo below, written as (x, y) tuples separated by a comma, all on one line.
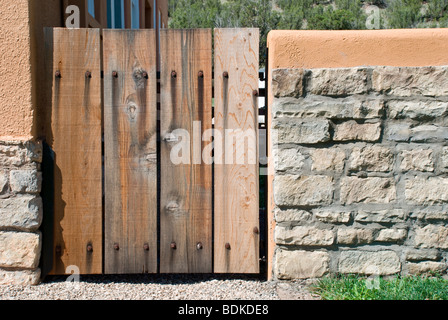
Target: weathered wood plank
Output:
[(186, 187), (236, 213), (130, 137), (76, 142)]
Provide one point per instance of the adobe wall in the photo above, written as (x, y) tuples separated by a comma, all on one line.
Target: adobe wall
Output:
[(21, 106), (358, 133)]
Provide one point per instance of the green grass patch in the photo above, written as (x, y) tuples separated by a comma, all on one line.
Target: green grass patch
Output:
[(353, 287)]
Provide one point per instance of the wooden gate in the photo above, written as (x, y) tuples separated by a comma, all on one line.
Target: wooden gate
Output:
[(151, 180)]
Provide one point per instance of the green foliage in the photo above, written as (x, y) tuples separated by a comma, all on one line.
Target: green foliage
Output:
[(251, 14), (443, 22), (229, 14), (352, 287), (379, 3), (294, 12), (194, 13), (437, 13), (437, 9), (347, 15), (403, 13), (304, 14), (331, 19)]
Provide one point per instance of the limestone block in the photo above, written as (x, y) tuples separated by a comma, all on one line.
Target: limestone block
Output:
[(384, 262), (381, 216), (371, 158), (392, 235), (426, 190), (29, 181), (417, 160), (432, 236), (287, 82), (296, 190), (21, 212), (429, 133), (302, 131), (399, 132), (417, 110), (338, 82), (352, 107), (353, 131), (420, 255), (291, 215), (329, 216), (303, 236), (331, 159), (430, 215), (19, 250), (367, 190), (20, 277), (354, 236), (409, 81), (426, 267), (287, 159), (20, 154), (299, 264)]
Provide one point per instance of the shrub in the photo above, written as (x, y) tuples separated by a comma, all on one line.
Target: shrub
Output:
[(437, 9), (339, 19), (403, 13)]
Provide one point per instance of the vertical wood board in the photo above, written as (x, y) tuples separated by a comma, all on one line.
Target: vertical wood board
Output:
[(130, 136), (186, 181), (76, 142), (236, 214)]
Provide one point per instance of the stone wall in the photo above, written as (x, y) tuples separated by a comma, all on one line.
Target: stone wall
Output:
[(20, 212), (361, 171)]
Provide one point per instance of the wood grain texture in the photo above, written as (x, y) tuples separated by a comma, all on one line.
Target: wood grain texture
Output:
[(76, 142), (236, 206), (130, 136), (186, 187)]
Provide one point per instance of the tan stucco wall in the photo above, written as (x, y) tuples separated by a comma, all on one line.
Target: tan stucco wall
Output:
[(21, 64), (16, 107), (43, 13), (338, 49)]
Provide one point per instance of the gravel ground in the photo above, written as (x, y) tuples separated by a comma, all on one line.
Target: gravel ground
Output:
[(160, 287)]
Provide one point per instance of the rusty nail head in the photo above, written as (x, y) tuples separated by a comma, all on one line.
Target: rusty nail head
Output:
[(57, 74), (173, 245), (173, 74), (146, 247), (225, 74), (255, 92), (201, 74), (199, 246), (145, 74), (89, 248), (228, 246), (115, 74), (88, 74), (116, 246), (256, 230)]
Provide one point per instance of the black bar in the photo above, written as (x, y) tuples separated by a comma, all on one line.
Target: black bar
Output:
[(47, 195)]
